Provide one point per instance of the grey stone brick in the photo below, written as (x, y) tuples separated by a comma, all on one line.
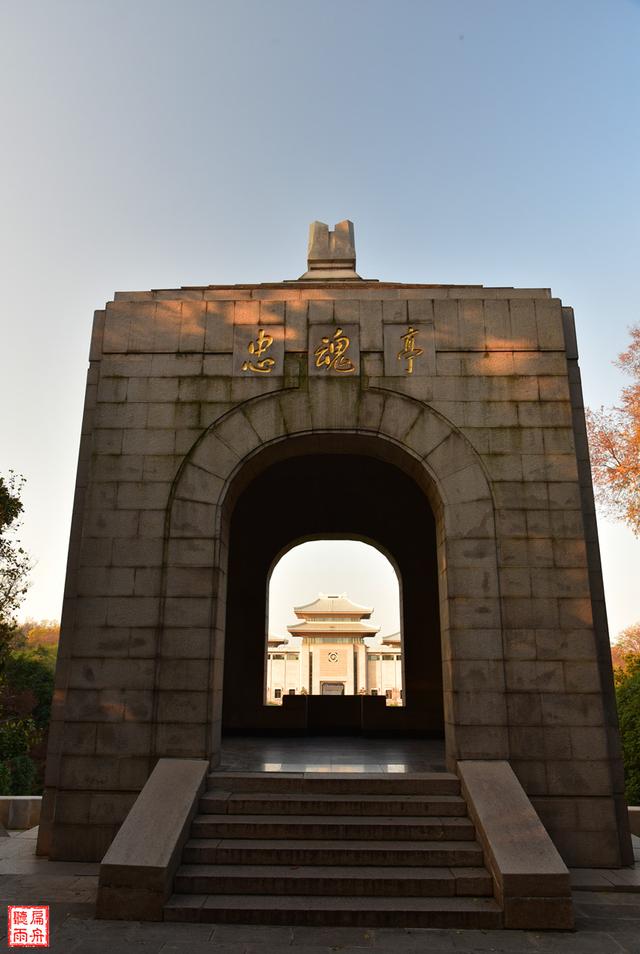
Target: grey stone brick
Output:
[(398, 417), (176, 365), (522, 612), (581, 676), (497, 325), (133, 611), (467, 644), (549, 324), (191, 551), (179, 706), (166, 336), (328, 398), (136, 552), (148, 441), (142, 495), (346, 311), (572, 709), (112, 389), (523, 325), (112, 523), (524, 675), (192, 326), (191, 643), (126, 738), (319, 312), (296, 325), (187, 611), (479, 708), (520, 644), (394, 311), (107, 441), (182, 740)]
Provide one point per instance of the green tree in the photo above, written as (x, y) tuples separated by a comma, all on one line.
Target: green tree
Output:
[(20, 735), (628, 698), (28, 680), (14, 562), (18, 770)]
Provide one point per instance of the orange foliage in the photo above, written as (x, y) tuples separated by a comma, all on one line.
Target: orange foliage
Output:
[(614, 442), (44, 632), (626, 647)]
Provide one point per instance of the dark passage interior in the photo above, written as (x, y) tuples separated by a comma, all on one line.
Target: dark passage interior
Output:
[(323, 495)]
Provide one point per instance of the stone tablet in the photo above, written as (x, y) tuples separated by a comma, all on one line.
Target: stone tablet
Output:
[(409, 350), (334, 351)]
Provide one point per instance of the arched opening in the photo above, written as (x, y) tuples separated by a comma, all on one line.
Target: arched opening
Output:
[(325, 495), (419, 482), (333, 623)]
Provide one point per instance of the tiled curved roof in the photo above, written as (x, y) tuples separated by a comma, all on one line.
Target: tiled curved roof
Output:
[(310, 627), (339, 604)]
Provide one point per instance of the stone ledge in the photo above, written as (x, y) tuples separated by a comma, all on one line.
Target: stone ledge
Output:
[(136, 874), (530, 879), (20, 811)]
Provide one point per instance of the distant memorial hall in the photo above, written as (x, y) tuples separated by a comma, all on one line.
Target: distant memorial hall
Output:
[(444, 425), (333, 658)]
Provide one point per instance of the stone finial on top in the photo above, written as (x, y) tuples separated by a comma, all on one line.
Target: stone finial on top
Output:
[(331, 256)]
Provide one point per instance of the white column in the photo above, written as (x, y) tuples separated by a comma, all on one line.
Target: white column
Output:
[(349, 689), (304, 668), (362, 667)]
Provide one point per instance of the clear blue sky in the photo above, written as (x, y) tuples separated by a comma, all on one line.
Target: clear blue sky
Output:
[(154, 144)]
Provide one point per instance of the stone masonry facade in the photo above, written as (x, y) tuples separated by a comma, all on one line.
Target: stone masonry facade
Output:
[(490, 422)]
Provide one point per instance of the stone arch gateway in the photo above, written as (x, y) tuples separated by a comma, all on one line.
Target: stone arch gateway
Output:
[(469, 395), (392, 428)]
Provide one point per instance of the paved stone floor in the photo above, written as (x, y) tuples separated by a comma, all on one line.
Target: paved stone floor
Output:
[(608, 922), (331, 754)]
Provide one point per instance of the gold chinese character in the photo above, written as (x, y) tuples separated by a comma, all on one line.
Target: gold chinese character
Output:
[(330, 353), (257, 348), (410, 351)]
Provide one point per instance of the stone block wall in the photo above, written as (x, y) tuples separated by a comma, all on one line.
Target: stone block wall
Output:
[(527, 673)]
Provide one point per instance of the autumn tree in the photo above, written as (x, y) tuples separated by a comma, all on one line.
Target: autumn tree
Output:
[(43, 632), (626, 646), (614, 441)]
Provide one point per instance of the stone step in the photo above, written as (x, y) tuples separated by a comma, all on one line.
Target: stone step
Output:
[(247, 803), (411, 827), (237, 851), (352, 881), (480, 913), (391, 783)]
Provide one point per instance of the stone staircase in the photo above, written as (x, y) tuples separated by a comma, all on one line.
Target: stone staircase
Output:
[(383, 850)]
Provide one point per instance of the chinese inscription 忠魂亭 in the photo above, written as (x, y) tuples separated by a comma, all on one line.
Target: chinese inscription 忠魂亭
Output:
[(257, 348), (331, 353), (410, 350)]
